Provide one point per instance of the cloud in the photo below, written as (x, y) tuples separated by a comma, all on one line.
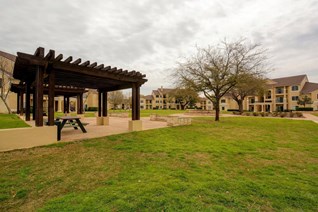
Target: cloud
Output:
[(151, 36)]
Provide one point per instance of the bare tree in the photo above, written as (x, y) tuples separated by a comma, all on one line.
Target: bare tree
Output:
[(215, 70), (116, 98), (248, 84), (5, 82), (184, 96), (305, 100)]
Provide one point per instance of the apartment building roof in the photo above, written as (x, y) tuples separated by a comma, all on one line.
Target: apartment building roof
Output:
[(288, 81), (148, 97), (309, 87), (8, 56)]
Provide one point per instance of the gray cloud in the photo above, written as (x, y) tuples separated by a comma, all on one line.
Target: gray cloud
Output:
[(151, 36)]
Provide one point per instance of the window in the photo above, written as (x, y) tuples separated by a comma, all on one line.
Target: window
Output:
[(294, 98), (141, 107), (279, 90), (295, 88), (141, 101), (279, 99), (157, 101), (222, 100), (157, 96), (223, 108), (209, 102)]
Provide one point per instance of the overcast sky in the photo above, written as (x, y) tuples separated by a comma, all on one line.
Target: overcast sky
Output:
[(150, 36)]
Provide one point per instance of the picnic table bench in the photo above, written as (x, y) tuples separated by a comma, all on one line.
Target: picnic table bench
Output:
[(71, 121)]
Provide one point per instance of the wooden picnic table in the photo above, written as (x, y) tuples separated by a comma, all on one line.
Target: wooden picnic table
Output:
[(73, 121)]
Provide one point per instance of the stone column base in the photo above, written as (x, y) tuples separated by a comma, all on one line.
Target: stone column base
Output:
[(135, 125), (99, 120), (106, 120)]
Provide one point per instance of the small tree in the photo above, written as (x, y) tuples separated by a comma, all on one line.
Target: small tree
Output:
[(116, 98), (214, 71), (5, 82), (305, 100), (247, 85), (184, 96)]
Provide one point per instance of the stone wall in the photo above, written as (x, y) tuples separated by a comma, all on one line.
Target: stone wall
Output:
[(171, 120)]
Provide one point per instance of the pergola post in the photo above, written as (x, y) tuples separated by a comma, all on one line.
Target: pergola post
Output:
[(18, 103), (99, 119), (104, 97), (79, 103), (64, 104), (21, 103), (104, 110), (39, 97), (27, 101), (99, 103), (33, 104), (51, 94), (68, 104), (135, 124)]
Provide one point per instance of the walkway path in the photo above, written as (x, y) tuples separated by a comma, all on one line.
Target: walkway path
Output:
[(311, 117)]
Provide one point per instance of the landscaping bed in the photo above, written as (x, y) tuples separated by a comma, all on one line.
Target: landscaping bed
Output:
[(273, 114)]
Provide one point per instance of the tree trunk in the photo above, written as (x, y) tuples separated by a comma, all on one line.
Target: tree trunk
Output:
[(217, 110), (6, 104), (240, 104)]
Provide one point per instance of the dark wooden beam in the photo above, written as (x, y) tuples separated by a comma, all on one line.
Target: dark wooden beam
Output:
[(51, 95), (21, 103), (59, 57), (78, 61), (99, 103), (92, 65), (68, 60), (104, 97), (106, 68), (33, 104), (28, 101), (39, 52), (39, 97), (18, 102), (101, 66), (85, 64), (134, 103), (50, 55)]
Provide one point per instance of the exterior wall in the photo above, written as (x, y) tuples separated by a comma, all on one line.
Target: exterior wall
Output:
[(314, 98)]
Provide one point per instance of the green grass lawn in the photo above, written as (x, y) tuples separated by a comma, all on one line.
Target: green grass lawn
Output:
[(11, 121), (315, 113), (240, 164)]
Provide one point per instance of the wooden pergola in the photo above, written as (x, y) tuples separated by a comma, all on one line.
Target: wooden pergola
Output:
[(42, 73), (65, 91)]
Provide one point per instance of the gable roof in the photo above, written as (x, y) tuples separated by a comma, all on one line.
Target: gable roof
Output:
[(309, 87), (8, 56), (288, 81), (148, 97)]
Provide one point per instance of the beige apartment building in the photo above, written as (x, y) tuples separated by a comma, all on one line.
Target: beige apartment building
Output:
[(159, 99), (281, 94)]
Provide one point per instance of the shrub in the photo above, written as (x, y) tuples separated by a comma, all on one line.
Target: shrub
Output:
[(233, 110), (236, 113), (282, 115), (304, 109), (266, 114), (275, 114), (255, 114), (247, 114), (262, 114), (299, 114), (92, 108)]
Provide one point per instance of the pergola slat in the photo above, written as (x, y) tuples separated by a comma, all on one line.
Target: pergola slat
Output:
[(86, 63), (106, 68), (50, 55), (68, 60), (59, 57), (39, 52), (113, 69), (92, 65), (101, 66), (78, 61)]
